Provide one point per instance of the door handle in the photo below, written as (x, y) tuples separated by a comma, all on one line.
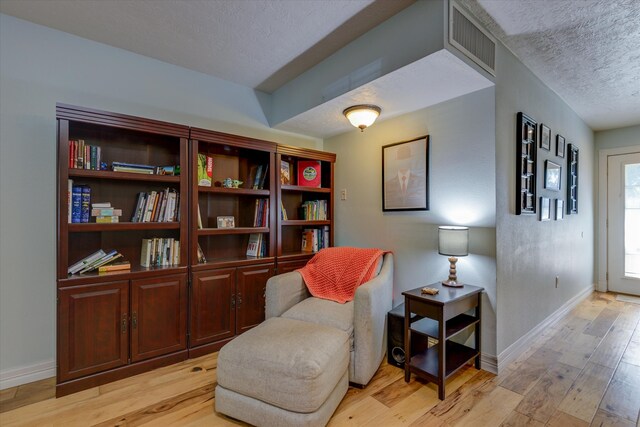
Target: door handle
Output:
[(239, 298), (233, 301), (123, 323), (134, 320)]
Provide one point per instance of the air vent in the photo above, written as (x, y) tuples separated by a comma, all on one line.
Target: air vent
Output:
[(470, 39)]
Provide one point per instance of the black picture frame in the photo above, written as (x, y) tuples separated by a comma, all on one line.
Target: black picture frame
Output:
[(545, 209), (560, 145), (552, 175), (545, 137), (559, 209), (408, 160), (572, 179), (526, 153)]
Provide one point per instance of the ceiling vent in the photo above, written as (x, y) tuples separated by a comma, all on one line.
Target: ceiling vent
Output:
[(467, 36)]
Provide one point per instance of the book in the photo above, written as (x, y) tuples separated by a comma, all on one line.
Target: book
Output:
[(307, 241), (309, 173), (132, 170), (133, 166), (254, 245), (166, 170), (69, 199), (86, 204), (199, 218), (85, 261), (106, 212), (263, 177), (107, 219), (145, 253), (101, 205), (110, 257), (201, 257), (76, 204), (285, 173), (257, 178), (283, 212), (205, 170), (118, 266)]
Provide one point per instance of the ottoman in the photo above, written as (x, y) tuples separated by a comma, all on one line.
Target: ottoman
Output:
[(283, 372)]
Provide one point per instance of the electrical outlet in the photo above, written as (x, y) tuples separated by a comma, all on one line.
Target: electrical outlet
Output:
[(557, 281), (343, 194)]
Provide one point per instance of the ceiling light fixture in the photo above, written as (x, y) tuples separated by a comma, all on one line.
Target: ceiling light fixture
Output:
[(362, 116)]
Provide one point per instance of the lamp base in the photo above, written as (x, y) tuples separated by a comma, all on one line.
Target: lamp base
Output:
[(452, 284)]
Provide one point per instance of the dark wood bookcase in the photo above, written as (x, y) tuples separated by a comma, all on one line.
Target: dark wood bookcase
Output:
[(115, 324), (291, 196), (228, 289)]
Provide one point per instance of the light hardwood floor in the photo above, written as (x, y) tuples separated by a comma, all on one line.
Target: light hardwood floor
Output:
[(584, 370)]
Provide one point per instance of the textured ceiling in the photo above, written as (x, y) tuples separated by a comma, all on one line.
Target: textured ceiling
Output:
[(587, 51), (257, 43)]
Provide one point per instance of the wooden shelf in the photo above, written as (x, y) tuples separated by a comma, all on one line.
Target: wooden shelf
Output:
[(127, 176), (454, 326), (295, 255), (136, 271), (122, 226), (305, 222), (305, 189), (234, 191), (456, 356), (236, 230), (232, 262)]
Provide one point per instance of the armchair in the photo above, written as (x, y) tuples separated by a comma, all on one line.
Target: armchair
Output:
[(363, 318)]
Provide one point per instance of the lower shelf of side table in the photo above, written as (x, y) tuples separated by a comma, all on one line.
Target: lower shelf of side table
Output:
[(456, 356)]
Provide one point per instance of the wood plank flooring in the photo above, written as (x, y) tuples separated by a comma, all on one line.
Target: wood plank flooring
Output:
[(582, 371)]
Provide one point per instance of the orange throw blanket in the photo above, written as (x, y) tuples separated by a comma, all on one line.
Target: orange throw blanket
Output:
[(335, 273)]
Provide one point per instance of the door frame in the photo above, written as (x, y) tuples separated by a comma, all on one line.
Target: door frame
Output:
[(602, 264)]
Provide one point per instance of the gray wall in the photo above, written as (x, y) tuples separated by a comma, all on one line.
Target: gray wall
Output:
[(617, 138), (530, 253), (39, 67), (462, 192)]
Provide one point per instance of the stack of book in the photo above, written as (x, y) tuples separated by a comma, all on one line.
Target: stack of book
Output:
[(157, 206), (257, 245), (84, 156), (314, 239), (258, 176), (79, 203), (105, 213), (133, 168), (261, 215), (94, 261), (314, 210), (160, 252)]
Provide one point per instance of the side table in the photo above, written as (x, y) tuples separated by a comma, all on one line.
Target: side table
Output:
[(443, 318)]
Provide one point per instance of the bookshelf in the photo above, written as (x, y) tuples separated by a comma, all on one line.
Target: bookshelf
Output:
[(228, 288), (292, 196), (111, 325)]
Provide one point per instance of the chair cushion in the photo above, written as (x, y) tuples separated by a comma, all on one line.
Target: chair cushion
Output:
[(287, 363), (323, 312)]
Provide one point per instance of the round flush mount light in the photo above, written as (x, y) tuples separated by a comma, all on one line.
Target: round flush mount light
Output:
[(362, 116)]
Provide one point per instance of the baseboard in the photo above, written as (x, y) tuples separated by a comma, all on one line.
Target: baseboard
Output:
[(489, 363), (27, 374), (512, 352)]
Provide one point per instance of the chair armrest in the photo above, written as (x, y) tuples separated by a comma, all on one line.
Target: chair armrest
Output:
[(283, 292), (372, 302)]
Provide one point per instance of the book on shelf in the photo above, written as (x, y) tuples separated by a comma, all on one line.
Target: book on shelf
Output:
[(107, 219), (205, 170), (101, 205), (133, 168), (314, 239), (199, 218), (285, 172), (157, 206), (201, 258), (73, 269), (261, 214), (85, 208), (160, 252), (76, 203), (106, 212), (257, 246), (259, 177), (309, 173), (84, 156), (314, 210), (118, 266), (283, 212), (69, 200)]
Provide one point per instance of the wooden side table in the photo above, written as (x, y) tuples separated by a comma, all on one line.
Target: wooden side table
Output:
[(443, 318)]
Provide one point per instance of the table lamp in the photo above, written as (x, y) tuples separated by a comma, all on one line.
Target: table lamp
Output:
[(453, 242)]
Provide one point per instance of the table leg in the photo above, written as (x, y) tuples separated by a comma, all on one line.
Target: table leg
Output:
[(477, 329), (442, 357), (407, 339)]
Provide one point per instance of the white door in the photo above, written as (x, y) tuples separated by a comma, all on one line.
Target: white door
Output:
[(623, 214)]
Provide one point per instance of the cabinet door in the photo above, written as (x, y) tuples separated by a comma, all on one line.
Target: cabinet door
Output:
[(158, 316), (93, 329), (250, 295), (212, 306)]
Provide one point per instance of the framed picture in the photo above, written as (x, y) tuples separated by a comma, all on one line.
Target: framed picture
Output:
[(560, 143), (526, 165), (559, 209), (572, 179), (545, 137), (405, 175), (552, 175), (545, 209), (226, 222)]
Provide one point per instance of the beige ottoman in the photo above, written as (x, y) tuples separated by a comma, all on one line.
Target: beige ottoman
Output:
[(283, 372)]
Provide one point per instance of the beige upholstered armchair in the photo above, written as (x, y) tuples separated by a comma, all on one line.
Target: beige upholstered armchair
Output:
[(364, 318)]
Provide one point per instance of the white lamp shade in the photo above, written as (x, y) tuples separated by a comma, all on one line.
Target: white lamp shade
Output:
[(453, 241), (362, 116)]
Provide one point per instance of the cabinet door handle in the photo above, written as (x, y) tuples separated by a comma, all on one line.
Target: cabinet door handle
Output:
[(239, 298), (134, 320), (233, 301), (123, 323)]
